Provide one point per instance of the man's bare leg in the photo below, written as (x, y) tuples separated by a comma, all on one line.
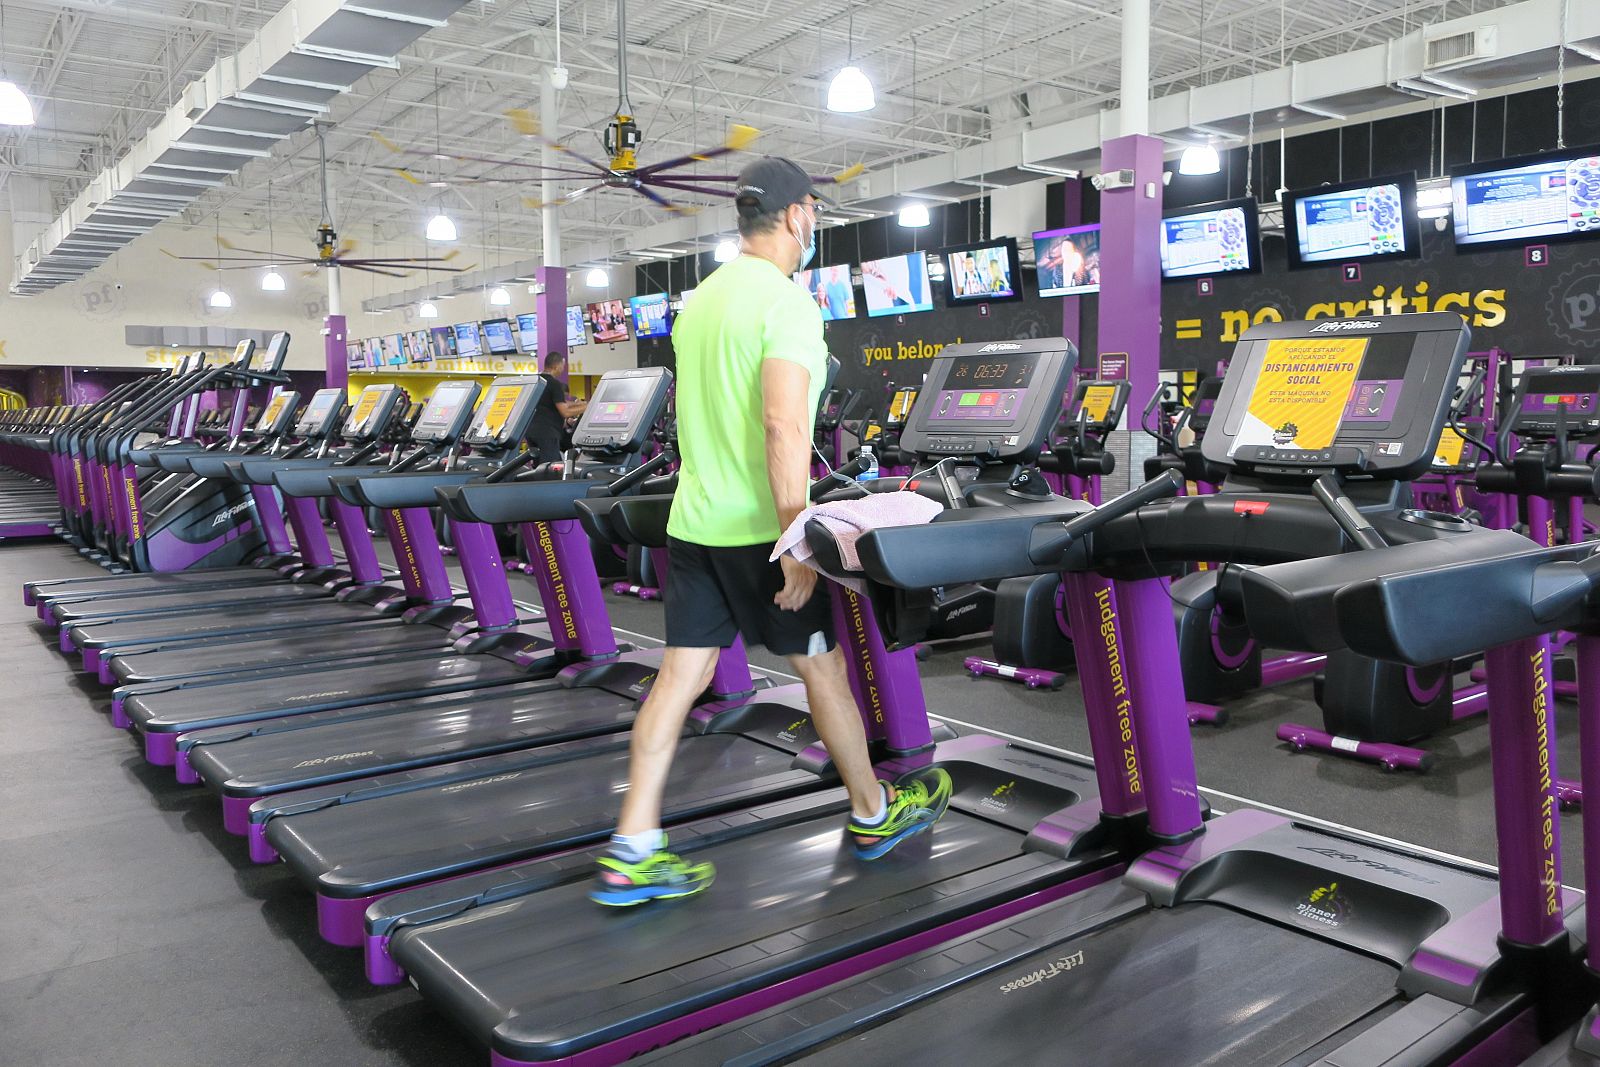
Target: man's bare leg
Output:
[(838, 722), (685, 673)]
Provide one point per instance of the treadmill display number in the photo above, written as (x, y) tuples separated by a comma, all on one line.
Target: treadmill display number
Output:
[(990, 373)]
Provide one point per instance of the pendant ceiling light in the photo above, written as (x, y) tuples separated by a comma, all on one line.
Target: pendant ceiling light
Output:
[(850, 92), (15, 107), (427, 310), (1199, 159), (914, 215), (598, 278), (498, 297)]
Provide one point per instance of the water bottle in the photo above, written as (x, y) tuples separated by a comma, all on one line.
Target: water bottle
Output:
[(869, 465)]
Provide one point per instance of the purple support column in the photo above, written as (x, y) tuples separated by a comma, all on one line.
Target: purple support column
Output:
[(1071, 306), (1130, 263), (271, 518), (1589, 773), (890, 694), (335, 365), (485, 574), (551, 304), (1523, 760), (416, 551), (360, 554), (1097, 649), (1160, 713)]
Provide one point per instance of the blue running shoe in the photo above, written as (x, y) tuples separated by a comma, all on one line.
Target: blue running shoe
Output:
[(920, 800), (661, 876)]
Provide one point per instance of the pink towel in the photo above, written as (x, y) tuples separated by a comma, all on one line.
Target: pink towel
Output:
[(848, 520)]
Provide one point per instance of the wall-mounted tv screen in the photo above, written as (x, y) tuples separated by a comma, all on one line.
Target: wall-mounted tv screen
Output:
[(469, 342), (1553, 196), (1067, 261), (650, 315), (444, 342), (420, 346), (576, 334), (1219, 238), (355, 356), (983, 273), (394, 354), (528, 332), (1374, 218), (609, 320), (897, 285), (497, 337), (830, 287)]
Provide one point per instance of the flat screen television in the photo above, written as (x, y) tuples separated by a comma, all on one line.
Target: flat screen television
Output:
[(394, 354), (1552, 196), (609, 320), (444, 342), (576, 334), (1370, 219), (528, 333), (983, 273), (1067, 262), (830, 287), (420, 346), (469, 341), (650, 315), (497, 337), (897, 285), (1205, 239), (355, 356)]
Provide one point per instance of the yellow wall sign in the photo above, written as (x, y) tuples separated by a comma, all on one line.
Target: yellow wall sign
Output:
[(1097, 401), (1300, 395)]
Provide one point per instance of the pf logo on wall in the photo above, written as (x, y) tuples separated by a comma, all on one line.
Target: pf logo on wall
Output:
[(1575, 307), (101, 298)]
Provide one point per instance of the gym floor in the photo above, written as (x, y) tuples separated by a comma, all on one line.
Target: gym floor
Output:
[(136, 931)]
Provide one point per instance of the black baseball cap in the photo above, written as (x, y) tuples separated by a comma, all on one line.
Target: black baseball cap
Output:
[(771, 184)]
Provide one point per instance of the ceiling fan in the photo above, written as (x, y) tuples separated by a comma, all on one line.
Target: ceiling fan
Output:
[(656, 182)]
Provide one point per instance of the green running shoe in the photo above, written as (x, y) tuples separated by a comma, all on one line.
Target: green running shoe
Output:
[(662, 876), (920, 800)]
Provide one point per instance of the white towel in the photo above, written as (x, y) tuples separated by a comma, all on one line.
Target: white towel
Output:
[(847, 520)]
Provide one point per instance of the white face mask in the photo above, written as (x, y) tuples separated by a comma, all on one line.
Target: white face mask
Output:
[(808, 245)]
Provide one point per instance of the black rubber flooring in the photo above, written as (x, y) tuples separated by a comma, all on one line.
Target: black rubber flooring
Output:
[(134, 930)]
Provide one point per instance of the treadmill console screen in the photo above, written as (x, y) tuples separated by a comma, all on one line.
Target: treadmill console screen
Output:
[(503, 417), (624, 406), (318, 417), (280, 409), (446, 411), (371, 411), (1543, 394), (1363, 395), (998, 399), (243, 353), (277, 351)]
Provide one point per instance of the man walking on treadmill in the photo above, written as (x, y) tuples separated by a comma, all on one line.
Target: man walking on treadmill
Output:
[(751, 362)]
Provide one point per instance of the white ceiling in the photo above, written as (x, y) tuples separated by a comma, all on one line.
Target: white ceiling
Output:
[(948, 76)]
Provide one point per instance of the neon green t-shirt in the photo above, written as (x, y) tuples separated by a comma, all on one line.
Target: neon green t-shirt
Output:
[(747, 312)]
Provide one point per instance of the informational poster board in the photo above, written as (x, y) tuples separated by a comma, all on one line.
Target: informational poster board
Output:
[(1301, 395)]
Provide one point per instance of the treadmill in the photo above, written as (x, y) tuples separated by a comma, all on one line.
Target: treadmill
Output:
[(522, 942), (280, 421), (252, 760), (1248, 939), (483, 654), (497, 430), (224, 612)]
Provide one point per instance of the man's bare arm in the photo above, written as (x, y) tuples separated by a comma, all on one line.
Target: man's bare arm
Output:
[(785, 387)]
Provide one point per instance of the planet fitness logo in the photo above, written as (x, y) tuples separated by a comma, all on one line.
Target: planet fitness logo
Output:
[(1574, 307), (1324, 905)]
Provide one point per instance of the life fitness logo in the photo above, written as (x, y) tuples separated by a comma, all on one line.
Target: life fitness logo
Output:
[(1346, 324), (1001, 346)]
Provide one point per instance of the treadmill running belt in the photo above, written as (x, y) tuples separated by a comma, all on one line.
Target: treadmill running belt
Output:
[(510, 812), (551, 973), (271, 651), (1193, 986)]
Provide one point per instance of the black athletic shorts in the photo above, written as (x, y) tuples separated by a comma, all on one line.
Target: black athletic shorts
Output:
[(715, 594)]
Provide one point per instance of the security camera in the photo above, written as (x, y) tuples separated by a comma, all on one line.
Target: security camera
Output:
[(117, 285)]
